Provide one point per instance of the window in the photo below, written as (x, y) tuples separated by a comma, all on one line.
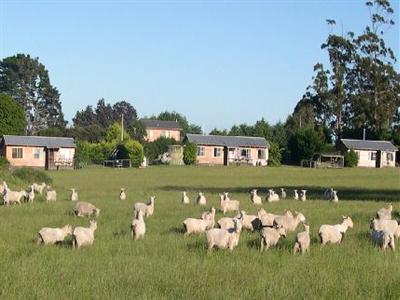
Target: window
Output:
[(217, 152), (389, 156), (16, 152), (261, 154), (200, 151), (246, 153), (36, 153), (373, 155)]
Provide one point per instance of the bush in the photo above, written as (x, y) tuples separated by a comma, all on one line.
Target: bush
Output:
[(304, 144), (82, 157), (154, 149), (275, 155), (136, 152), (3, 162), (31, 175), (350, 159), (190, 154)]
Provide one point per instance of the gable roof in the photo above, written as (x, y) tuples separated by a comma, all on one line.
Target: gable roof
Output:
[(162, 124), (38, 141), (369, 145), (228, 141)]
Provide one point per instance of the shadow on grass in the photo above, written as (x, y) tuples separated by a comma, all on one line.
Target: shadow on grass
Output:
[(122, 233), (175, 230), (344, 193), (197, 245)]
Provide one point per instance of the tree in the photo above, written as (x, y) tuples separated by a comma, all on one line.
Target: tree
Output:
[(156, 148), (216, 131), (190, 154), (181, 119), (27, 81), (350, 159), (304, 144), (275, 155), (12, 116)]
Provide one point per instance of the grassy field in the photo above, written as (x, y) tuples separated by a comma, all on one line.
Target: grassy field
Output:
[(166, 265)]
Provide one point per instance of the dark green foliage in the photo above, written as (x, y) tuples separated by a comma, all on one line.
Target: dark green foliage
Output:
[(304, 143), (82, 154), (136, 152), (350, 159), (216, 131), (3, 162), (54, 131), (175, 116), (190, 154), (275, 155), (31, 175), (158, 147), (12, 116)]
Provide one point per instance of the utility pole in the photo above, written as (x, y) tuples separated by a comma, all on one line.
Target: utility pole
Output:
[(122, 128)]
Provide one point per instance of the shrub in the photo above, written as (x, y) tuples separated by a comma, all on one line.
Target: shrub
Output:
[(31, 175), (156, 148), (190, 154), (275, 155), (82, 157), (3, 162), (304, 144), (350, 159), (136, 152)]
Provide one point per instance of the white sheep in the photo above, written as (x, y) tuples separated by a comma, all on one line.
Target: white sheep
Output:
[(272, 196), (334, 233), (147, 209), (3, 187), (193, 226), (303, 240), (138, 226), (51, 195), (74, 195), (295, 195), (391, 226), (254, 198), (267, 219), (39, 188), (385, 213), (383, 239), (289, 222), (12, 197), (208, 214), (228, 204), (185, 198), (122, 194), (270, 236), (30, 194), (82, 209), (283, 193), (201, 199), (302, 195), (51, 236), (83, 236), (224, 239)]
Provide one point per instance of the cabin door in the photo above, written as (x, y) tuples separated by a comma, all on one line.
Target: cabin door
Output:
[(378, 159), (226, 153), (50, 159)]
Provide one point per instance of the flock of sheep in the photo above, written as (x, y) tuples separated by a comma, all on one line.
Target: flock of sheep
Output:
[(272, 227)]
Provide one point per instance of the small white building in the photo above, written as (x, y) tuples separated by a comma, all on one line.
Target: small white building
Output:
[(372, 154)]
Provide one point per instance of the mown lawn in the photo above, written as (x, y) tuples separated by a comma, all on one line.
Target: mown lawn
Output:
[(167, 265)]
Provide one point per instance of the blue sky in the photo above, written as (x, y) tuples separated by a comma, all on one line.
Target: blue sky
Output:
[(218, 63)]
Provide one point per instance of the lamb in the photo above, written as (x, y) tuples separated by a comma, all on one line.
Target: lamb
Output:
[(303, 240), (267, 219), (272, 196), (303, 195), (224, 239), (289, 222), (147, 209), (249, 222), (201, 199), (138, 226), (283, 193), (295, 195), (51, 236), (254, 198), (122, 194), (30, 194), (227, 204), (83, 236), (11, 197), (390, 226), (39, 188), (334, 233), (74, 195), (270, 236), (192, 225), (385, 213), (51, 195), (383, 239), (86, 209), (185, 198)]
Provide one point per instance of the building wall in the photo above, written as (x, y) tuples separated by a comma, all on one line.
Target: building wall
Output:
[(209, 158), (364, 159), (154, 134), (27, 159)]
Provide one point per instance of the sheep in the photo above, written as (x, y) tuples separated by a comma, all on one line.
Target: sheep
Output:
[(74, 195), (51, 195), (51, 236), (270, 236), (303, 195), (289, 222), (385, 213), (283, 193), (303, 240), (249, 222), (192, 225), (208, 214), (201, 199), (227, 204), (39, 188), (331, 195), (185, 198), (86, 209), (3, 187), (391, 226), (226, 223), (147, 209), (11, 197), (334, 233), (224, 239), (272, 196), (383, 239), (138, 226), (83, 236), (254, 198), (30, 194), (122, 194), (267, 219), (295, 195)]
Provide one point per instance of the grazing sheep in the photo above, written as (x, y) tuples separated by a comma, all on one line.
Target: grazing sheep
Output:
[(11, 197), (331, 195), (224, 239), (385, 213), (249, 222), (303, 240), (289, 222), (272, 196), (227, 204), (295, 195), (3, 187), (267, 219), (147, 209), (138, 226), (51, 195), (201, 199), (192, 225), (391, 226), (50, 236), (74, 195), (83, 236), (122, 194), (283, 193), (383, 239), (86, 209), (270, 236), (254, 198), (334, 233), (39, 188), (30, 194), (302, 195), (185, 198)]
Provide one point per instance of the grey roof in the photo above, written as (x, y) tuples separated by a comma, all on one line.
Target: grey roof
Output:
[(228, 141), (369, 145), (38, 141), (161, 124)]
